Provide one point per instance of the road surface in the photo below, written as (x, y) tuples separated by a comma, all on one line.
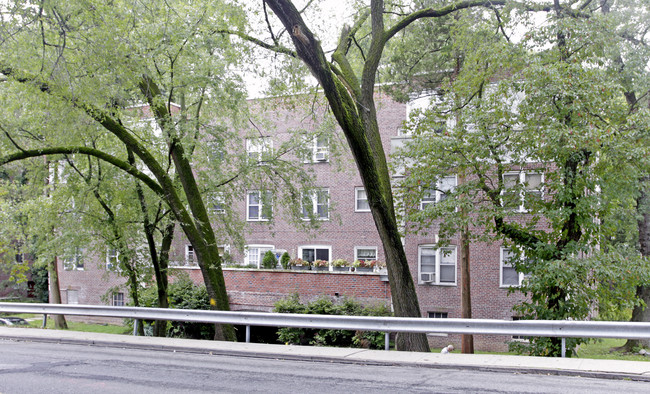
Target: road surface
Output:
[(29, 367)]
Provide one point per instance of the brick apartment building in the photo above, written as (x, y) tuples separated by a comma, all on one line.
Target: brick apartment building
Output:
[(347, 231)]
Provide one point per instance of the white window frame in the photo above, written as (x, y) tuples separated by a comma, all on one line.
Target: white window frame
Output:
[(315, 247), (112, 258), (320, 149), (439, 254), (217, 203), (256, 147), (190, 255), (73, 260), (522, 180), (260, 249), (358, 199), (435, 195), (314, 203), (117, 299), (502, 265), (261, 217), (358, 248)]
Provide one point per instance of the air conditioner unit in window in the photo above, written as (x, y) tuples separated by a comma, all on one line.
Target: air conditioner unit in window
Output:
[(428, 277), (320, 156)]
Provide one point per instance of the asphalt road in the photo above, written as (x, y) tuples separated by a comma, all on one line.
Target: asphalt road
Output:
[(28, 367)]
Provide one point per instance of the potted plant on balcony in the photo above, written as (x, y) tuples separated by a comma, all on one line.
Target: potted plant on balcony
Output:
[(364, 266), (285, 261), (340, 265), (269, 261), (300, 264), (322, 265)]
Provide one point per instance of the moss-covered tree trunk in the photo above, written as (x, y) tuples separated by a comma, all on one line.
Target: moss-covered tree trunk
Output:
[(352, 103)]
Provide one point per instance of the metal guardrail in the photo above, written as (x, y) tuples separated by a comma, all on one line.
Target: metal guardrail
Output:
[(540, 328)]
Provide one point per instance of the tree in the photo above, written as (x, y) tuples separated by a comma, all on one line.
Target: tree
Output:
[(350, 94), (533, 120), (92, 65)]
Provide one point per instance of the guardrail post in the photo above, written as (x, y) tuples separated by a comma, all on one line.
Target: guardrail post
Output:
[(387, 341), (136, 323), (563, 347), (248, 334), (44, 320)]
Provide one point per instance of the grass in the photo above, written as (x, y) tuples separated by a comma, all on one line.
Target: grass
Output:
[(604, 349), (37, 321)]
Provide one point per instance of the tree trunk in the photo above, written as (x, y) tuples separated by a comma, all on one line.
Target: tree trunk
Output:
[(162, 279), (55, 293), (641, 313), (467, 340), (352, 103)]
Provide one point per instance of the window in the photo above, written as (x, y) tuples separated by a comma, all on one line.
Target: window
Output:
[(253, 254), (439, 193), (365, 253), (217, 203), (112, 259), (521, 338), (320, 149), (437, 265), (118, 299), (438, 315), (314, 252), (73, 260), (256, 147), (73, 296), (190, 256), (521, 188), (416, 113), (361, 200), (258, 206), (316, 204), (509, 274)]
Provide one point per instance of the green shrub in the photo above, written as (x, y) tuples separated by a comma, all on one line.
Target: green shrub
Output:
[(285, 260), (269, 261), (340, 338), (183, 293)]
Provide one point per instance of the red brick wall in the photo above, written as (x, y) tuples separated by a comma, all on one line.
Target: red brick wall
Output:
[(258, 290)]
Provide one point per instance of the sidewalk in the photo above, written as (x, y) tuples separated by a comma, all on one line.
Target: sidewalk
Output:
[(613, 369)]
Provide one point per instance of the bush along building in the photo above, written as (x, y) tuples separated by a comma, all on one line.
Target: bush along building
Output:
[(327, 244)]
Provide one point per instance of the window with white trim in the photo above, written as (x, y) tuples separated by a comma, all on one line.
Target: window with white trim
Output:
[(258, 206), (112, 259), (257, 147), (365, 253), (438, 315), (73, 260), (510, 277), (439, 192), (437, 266), (316, 204), (361, 200), (312, 253), (320, 149), (190, 256), (118, 299), (217, 203), (520, 187), (253, 254)]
